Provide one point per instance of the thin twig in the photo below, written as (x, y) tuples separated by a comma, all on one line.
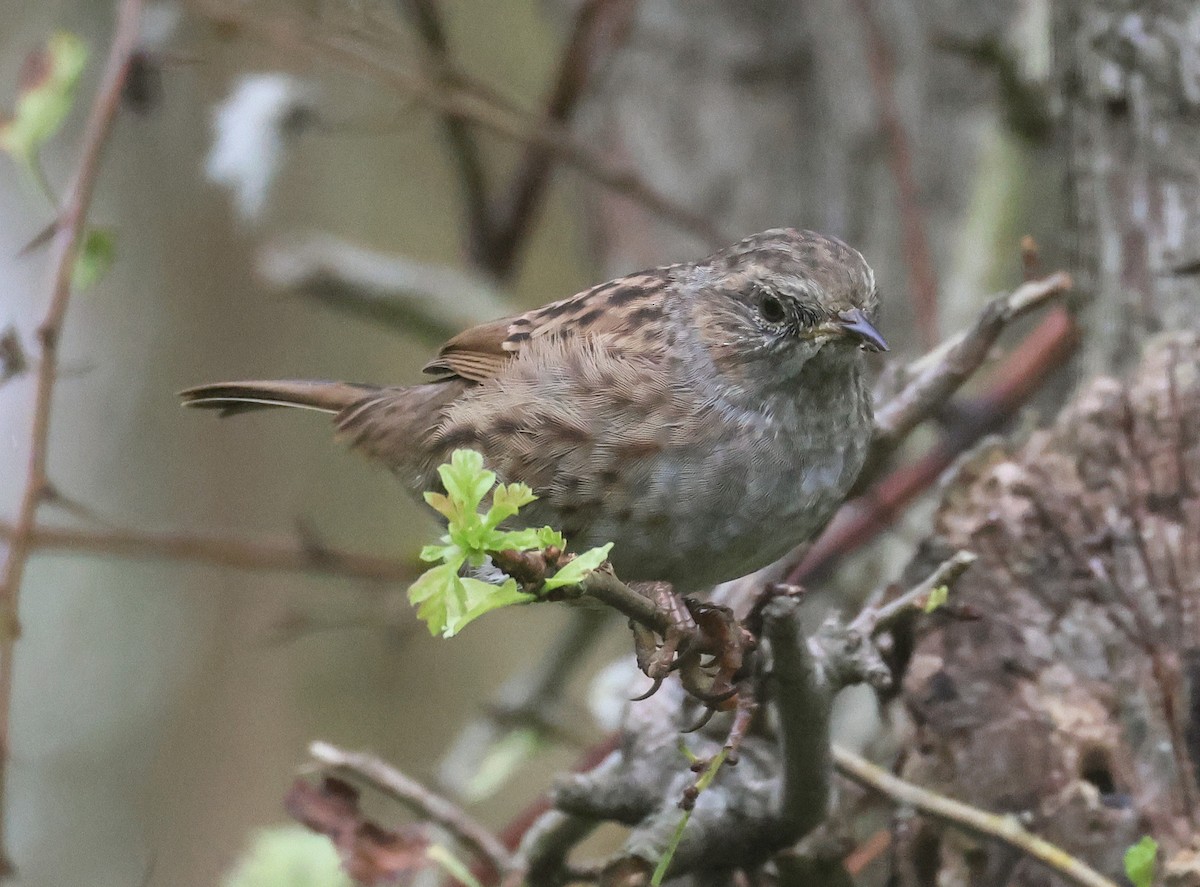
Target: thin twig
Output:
[(922, 276), (873, 620), (65, 248), (978, 822), (862, 519), (464, 149), (937, 375), (424, 802), (476, 106), (527, 188), (288, 556)]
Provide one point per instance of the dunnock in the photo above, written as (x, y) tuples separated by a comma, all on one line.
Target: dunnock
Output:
[(705, 417)]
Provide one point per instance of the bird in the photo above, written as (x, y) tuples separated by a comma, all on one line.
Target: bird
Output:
[(704, 417)]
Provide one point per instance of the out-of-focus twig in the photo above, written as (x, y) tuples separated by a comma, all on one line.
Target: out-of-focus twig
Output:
[(431, 301), (65, 246), (466, 102), (527, 188), (426, 803), (922, 276), (464, 149), (531, 699), (971, 819), (299, 556)]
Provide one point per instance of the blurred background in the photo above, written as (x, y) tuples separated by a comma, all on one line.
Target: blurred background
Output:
[(281, 156)]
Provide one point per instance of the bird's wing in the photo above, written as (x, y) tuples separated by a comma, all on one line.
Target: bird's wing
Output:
[(481, 352)]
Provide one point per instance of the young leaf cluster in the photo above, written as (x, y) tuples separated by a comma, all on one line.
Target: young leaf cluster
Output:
[(447, 601)]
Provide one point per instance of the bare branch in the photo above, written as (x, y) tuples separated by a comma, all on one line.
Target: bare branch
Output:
[(922, 274), (529, 182), (937, 375), (431, 301), (873, 620), (464, 149), (467, 102), (68, 236), (425, 803), (1005, 829), (297, 556)]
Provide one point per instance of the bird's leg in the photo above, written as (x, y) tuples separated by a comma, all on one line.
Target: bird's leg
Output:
[(657, 660)]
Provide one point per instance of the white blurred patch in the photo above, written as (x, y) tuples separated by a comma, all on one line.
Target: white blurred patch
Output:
[(254, 127), (612, 688), (158, 25)]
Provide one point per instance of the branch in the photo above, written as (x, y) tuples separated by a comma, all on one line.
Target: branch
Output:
[(922, 276), (431, 301), (862, 519), (529, 182), (427, 804), (1005, 829), (937, 375), (463, 147), (873, 620), (65, 248), (477, 106), (299, 556)]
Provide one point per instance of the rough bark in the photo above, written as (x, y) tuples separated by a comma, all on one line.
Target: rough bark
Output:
[(1070, 700), (1129, 75)]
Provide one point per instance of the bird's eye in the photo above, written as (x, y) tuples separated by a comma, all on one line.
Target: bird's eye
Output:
[(771, 309)]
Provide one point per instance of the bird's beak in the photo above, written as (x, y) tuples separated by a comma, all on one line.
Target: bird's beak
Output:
[(854, 323)]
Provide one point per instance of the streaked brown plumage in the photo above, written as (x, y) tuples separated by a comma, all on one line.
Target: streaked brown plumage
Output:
[(704, 417)]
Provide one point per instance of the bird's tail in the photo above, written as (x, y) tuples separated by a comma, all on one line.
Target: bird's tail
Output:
[(238, 397)]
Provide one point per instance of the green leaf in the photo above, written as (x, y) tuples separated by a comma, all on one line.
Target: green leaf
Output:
[(465, 478), (1140, 861), (442, 505), (435, 592), (47, 92), (517, 540), (289, 855), (96, 255), (481, 598), (507, 500), (579, 568), (937, 598), (548, 536)]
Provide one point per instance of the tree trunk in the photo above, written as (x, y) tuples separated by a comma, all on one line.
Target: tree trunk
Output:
[(1073, 701)]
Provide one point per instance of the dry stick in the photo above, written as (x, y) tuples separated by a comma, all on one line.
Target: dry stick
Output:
[(464, 149), (861, 519), (427, 804), (65, 248), (937, 375), (481, 108), (922, 276), (528, 185), (221, 551), (1005, 829), (875, 619)]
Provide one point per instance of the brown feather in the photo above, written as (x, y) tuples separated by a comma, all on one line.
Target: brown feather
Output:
[(482, 352)]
